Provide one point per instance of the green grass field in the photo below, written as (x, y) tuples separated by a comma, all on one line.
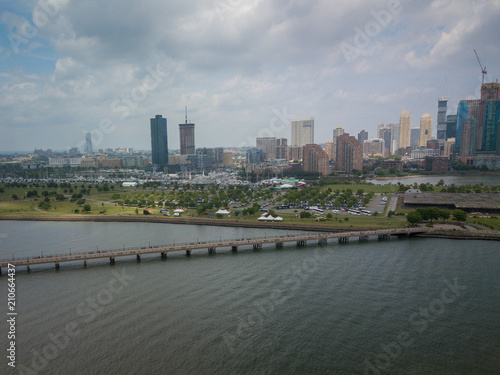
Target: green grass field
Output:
[(491, 221)]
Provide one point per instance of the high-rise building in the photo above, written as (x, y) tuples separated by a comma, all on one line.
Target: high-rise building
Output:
[(186, 132), (380, 125), (415, 137), (490, 111), (405, 129), (468, 109), (372, 147), (451, 126), (255, 156), (394, 137), (294, 153), (268, 145), (349, 153), (449, 147), (426, 129), (303, 131), (386, 134), (489, 92), (468, 130), (88, 144), (315, 159), (207, 159), (336, 133), (159, 140), (362, 136), (491, 123), (330, 149), (441, 120), (281, 148)]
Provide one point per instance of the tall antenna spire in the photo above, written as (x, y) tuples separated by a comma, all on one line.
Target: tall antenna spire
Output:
[(186, 114)]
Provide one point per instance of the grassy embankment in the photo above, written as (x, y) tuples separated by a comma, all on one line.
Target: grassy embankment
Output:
[(102, 204)]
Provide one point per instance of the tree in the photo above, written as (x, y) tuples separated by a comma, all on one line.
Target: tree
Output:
[(444, 214), (391, 213), (86, 208), (15, 197), (80, 202), (305, 215), (414, 217), (459, 215), (440, 183), (433, 213)]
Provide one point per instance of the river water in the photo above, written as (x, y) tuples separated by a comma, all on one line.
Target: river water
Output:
[(404, 306)]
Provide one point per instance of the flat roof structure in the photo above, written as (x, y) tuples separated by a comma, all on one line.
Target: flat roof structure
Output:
[(481, 202)]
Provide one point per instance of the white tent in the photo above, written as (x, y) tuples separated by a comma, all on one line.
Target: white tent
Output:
[(278, 218), (262, 218), (286, 186), (179, 210), (270, 218), (223, 212)]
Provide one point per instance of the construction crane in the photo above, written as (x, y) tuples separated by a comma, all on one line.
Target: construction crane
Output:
[(483, 70)]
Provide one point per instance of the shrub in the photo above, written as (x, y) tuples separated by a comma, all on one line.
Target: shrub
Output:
[(305, 215)]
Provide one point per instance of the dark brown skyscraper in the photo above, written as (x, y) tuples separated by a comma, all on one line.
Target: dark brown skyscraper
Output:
[(349, 153), (186, 132)]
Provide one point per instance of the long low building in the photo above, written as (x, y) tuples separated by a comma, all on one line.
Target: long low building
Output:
[(470, 202)]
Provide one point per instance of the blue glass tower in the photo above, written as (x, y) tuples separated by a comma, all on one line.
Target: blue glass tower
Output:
[(159, 140)]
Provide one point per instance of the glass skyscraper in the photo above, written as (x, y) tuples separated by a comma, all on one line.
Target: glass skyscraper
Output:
[(491, 122), (467, 110), (159, 140), (441, 120)]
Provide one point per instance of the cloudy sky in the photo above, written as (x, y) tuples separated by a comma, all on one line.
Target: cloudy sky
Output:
[(244, 68)]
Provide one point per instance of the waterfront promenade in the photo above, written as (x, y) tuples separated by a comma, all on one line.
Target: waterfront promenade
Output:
[(212, 246)]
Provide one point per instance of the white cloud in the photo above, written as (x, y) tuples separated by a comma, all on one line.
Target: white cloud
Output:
[(233, 71)]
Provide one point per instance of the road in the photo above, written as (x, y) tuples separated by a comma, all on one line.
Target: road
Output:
[(392, 203)]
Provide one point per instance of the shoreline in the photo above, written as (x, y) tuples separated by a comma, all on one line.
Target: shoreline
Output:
[(450, 234)]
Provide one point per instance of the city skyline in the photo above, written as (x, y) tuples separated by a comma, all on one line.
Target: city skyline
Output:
[(70, 78)]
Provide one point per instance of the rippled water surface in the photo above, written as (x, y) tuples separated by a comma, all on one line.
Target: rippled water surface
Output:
[(407, 306)]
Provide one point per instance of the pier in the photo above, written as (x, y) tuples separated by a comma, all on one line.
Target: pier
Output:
[(212, 246)]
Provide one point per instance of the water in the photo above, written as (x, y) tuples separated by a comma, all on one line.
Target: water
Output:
[(334, 309), (448, 180)]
